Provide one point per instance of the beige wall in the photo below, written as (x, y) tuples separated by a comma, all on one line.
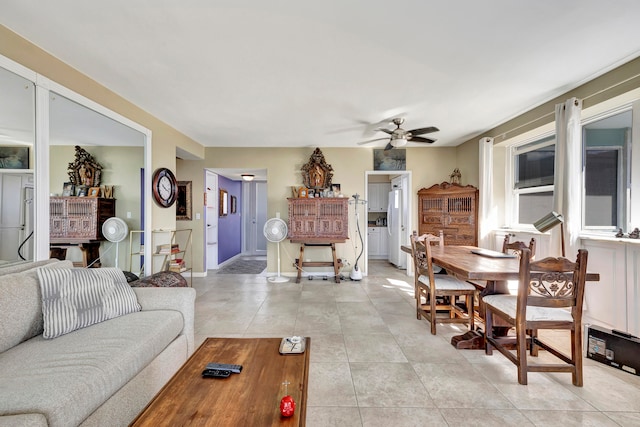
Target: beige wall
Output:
[(428, 166)]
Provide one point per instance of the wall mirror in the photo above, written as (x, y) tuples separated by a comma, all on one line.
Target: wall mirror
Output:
[(17, 163), (224, 203), (67, 119)]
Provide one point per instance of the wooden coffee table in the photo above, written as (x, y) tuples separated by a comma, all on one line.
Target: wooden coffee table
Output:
[(250, 398)]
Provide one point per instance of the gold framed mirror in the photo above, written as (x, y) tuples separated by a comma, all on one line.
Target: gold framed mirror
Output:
[(224, 203)]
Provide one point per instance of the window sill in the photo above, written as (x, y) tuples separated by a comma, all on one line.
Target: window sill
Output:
[(604, 238)]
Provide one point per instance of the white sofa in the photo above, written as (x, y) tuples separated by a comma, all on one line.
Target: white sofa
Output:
[(100, 375)]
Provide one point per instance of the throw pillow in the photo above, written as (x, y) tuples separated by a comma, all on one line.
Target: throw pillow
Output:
[(74, 298)]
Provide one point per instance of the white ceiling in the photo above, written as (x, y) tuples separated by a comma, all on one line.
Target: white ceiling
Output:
[(287, 73)]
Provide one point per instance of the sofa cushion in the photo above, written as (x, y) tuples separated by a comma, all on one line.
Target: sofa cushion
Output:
[(74, 298), (21, 304), (68, 378)]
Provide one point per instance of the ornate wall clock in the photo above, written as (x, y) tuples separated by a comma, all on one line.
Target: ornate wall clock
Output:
[(164, 187)]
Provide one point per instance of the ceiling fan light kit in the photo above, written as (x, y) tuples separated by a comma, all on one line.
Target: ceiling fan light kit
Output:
[(400, 141)]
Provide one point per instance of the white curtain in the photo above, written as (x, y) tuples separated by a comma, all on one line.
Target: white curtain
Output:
[(567, 190), (487, 217)]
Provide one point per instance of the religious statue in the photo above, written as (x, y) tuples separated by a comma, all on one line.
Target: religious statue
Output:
[(455, 176), (85, 176), (317, 175)]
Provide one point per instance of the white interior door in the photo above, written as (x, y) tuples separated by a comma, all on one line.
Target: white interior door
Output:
[(255, 215)]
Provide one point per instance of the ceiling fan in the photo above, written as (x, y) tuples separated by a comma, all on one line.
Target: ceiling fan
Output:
[(399, 137)]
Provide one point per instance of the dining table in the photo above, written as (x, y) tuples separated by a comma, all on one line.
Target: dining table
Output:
[(488, 270)]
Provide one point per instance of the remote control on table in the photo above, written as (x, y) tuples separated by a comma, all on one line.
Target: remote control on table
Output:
[(216, 373), (236, 369)]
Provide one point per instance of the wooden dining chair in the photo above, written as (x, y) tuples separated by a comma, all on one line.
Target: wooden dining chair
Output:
[(517, 246), (550, 296), (439, 291)]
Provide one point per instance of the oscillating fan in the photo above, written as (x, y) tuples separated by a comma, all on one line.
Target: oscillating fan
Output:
[(275, 230), (115, 230)]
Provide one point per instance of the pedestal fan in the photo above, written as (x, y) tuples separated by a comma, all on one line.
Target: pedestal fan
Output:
[(275, 230), (115, 230)]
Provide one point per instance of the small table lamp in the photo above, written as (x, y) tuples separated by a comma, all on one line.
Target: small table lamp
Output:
[(549, 221)]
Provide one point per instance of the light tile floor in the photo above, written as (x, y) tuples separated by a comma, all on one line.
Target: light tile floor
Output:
[(374, 364)]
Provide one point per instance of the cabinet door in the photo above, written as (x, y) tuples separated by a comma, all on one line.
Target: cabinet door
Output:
[(460, 218), (384, 196), (331, 227), (432, 218), (305, 227), (373, 244), (384, 241), (374, 198), (378, 196)]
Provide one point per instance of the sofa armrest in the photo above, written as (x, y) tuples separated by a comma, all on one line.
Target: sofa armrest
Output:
[(179, 299)]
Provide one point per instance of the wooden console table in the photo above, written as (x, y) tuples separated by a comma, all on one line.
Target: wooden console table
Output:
[(335, 262), (250, 398)]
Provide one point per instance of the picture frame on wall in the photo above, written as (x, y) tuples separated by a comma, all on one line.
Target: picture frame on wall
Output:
[(183, 202), (390, 160), (233, 204), (12, 157)]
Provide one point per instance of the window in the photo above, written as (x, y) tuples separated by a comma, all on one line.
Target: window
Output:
[(609, 148), (606, 148), (533, 166)]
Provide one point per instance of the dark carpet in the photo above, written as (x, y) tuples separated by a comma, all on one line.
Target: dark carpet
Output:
[(244, 266)]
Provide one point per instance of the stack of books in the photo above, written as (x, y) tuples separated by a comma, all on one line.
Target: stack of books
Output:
[(168, 249), (177, 265)]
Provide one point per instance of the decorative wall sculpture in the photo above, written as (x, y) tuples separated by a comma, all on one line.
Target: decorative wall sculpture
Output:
[(84, 171), (317, 174)]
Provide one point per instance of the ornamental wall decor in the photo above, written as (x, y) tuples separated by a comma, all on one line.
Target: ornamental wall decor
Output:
[(317, 174), (84, 171)]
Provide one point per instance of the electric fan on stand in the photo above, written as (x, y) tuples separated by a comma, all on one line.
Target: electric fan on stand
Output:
[(356, 273), (275, 230), (115, 230)]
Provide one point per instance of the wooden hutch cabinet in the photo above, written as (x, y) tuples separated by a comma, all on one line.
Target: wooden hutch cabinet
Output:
[(78, 219), (322, 219), (451, 208)]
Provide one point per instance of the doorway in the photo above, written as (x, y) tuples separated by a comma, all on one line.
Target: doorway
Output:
[(379, 185), (237, 232)]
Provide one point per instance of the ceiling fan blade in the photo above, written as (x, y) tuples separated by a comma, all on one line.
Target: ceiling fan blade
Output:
[(387, 131), (388, 147), (372, 140), (422, 131), (421, 139)]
